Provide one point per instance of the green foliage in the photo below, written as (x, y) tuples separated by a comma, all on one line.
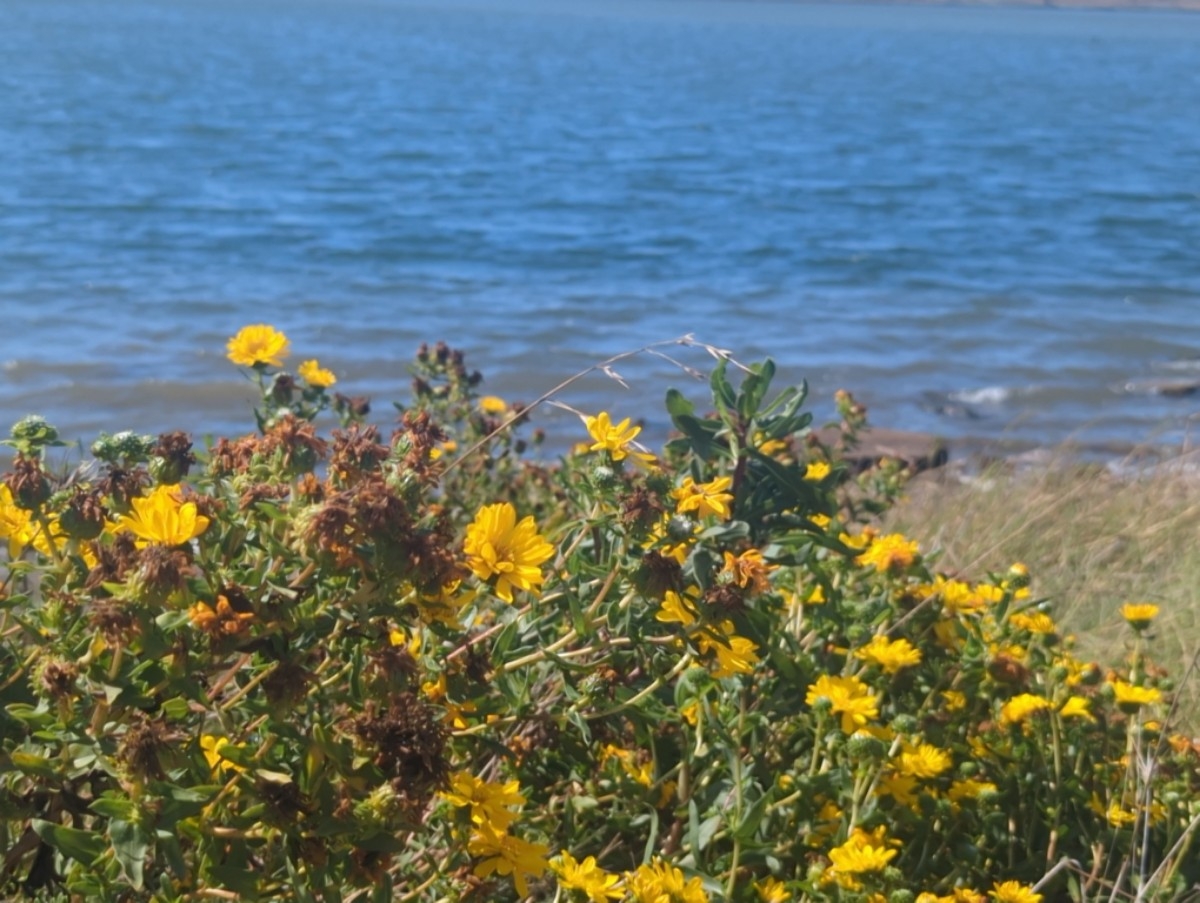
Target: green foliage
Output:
[(344, 666)]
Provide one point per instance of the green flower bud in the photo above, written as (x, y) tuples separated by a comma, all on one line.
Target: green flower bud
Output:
[(862, 745), (604, 476), (901, 895), (905, 724)]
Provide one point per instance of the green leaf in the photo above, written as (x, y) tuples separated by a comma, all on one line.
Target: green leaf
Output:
[(722, 392), (82, 846), (114, 807), (130, 843), (38, 766)]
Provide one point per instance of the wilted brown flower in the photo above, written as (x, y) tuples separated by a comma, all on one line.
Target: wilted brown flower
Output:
[(410, 745), (28, 483), (172, 458), (162, 568), (357, 452)]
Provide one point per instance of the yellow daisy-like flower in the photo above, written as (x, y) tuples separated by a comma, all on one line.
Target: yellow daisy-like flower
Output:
[(162, 518), (316, 375), (772, 890), (969, 789), (16, 524), (614, 439), (902, 788), (497, 546), (1139, 614), (1013, 892), (660, 882), (1017, 709), (847, 696), (1131, 697), (817, 470), (213, 748), (674, 610), (505, 854), (704, 498), (1077, 707), (890, 655), (492, 404), (924, 761), (1034, 622), (955, 701), (892, 552), (734, 654), (257, 345), (491, 803), (587, 877), (861, 854)]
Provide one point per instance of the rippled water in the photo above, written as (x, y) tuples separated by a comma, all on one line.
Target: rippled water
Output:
[(981, 221)]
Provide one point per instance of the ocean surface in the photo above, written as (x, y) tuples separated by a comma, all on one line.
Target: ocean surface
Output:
[(983, 222)]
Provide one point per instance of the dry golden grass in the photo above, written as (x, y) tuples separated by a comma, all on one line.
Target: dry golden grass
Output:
[(1092, 542)]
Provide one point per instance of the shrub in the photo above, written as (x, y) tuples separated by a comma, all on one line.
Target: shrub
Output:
[(417, 667)]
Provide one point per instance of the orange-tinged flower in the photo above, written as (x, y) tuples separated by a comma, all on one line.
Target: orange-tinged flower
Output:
[(498, 546), (257, 345), (316, 375), (221, 618), (890, 655), (704, 498), (749, 570), (162, 518)]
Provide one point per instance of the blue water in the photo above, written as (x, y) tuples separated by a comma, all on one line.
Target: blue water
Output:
[(981, 221)]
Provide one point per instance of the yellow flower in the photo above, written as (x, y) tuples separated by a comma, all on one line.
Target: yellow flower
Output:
[(316, 375), (1076, 707), (491, 404), (498, 546), (1034, 622), (821, 520), (861, 854), (959, 598), (660, 882), (1139, 614), (220, 619), (1130, 697), (890, 553), (704, 498), (955, 701), (162, 518), (507, 855), (16, 524), (748, 570), (772, 890), (890, 655), (901, 788), (1013, 892), (817, 470), (1021, 707), (674, 610), (213, 747), (257, 345), (735, 654), (614, 439), (587, 877), (969, 789), (491, 803), (924, 761), (849, 697)]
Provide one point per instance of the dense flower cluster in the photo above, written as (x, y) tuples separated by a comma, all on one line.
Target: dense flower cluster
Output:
[(347, 664)]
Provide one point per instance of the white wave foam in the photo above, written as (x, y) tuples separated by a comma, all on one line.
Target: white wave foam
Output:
[(986, 395)]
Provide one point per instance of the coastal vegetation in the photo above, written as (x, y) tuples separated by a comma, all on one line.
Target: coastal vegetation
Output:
[(348, 664)]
